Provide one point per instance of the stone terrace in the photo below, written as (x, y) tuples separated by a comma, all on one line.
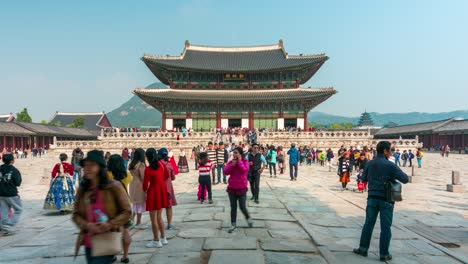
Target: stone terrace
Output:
[(308, 221)]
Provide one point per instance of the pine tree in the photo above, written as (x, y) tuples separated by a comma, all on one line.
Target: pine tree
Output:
[(365, 120), (23, 116)]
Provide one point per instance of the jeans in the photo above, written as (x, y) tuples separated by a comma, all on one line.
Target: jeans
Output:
[(7, 203), (77, 177), (242, 204), (411, 162), (220, 168), (419, 162), (255, 185), (404, 163), (374, 207), (97, 260), (291, 174), (272, 166), (205, 183)]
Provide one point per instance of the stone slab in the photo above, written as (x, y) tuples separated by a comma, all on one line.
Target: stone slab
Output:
[(198, 217), (304, 246), (236, 256), (198, 233), (282, 258), (455, 188), (230, 243), (415, 179), (257, 233), (175, 258), (293, 234), (281, 225), (273, 217)]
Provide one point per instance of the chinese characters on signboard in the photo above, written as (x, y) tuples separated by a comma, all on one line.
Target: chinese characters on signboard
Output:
[(234, 76)]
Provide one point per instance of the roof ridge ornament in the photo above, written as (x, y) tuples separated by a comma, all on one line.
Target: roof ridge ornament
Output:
[(187, 43)]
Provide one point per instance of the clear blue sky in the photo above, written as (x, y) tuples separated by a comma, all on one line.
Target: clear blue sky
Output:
[(385, 56)]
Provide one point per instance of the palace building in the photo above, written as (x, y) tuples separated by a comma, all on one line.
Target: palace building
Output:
[(254, 87)]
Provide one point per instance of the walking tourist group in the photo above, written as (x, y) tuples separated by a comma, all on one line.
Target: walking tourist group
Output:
[(108, 193)]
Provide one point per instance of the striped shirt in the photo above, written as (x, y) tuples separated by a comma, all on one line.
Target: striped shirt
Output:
[(205, 169), (211, 155)]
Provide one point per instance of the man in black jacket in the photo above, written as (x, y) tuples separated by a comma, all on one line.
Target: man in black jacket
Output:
[(377, 172), (256, 168), (10, 180)]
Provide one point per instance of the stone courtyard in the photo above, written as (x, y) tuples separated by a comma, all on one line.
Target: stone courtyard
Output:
[(308, 221)]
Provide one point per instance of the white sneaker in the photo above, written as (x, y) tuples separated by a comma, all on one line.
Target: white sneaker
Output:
[(141, 227), (163, 241), (154, 244)]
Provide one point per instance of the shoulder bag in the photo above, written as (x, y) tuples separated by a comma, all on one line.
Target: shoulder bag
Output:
[(393, 189)]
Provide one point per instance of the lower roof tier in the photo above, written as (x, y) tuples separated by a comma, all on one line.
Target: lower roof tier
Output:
[(166, 99)]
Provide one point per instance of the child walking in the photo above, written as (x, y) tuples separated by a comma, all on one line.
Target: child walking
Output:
[(204, 169)]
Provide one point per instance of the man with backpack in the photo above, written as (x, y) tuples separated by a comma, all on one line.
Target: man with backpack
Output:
[(377, 173), (410, 158)]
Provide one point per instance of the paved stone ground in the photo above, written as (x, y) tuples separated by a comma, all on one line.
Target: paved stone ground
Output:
[(308, 221)]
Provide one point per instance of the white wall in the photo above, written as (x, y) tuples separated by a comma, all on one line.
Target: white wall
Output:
[(300, 123), (245, 122), (224, 122), (188, 123), (280, 123), (169, 124)]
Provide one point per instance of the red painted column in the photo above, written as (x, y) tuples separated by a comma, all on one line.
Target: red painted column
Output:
[(218, 120), (22, 142), (163, 127), (251, 120), (43, 141), (305, 121)]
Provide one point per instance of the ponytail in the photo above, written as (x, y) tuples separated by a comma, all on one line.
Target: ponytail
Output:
[(153, 158)]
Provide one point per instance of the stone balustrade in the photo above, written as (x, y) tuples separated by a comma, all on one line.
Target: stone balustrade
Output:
[(115, 142)]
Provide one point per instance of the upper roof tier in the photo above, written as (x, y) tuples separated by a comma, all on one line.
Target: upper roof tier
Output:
[(250, 59)]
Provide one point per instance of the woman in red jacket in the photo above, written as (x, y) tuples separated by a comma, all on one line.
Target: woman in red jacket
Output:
[(157, 196), (61, 195)]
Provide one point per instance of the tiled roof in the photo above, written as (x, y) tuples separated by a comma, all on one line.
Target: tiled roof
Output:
[(413, 128), (7, 118), (454, 125), (8, 128), (91, 120), (234, 59), (298, 94)]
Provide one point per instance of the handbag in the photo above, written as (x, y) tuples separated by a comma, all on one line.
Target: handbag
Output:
[(107, 244), (392, 189)]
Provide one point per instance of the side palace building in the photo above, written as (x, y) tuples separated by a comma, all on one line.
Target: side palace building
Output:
[(254, 87)]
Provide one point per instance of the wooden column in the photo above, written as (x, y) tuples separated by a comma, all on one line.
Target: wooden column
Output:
[(43, 141), (251, 120), (218, 119), (305, 121), (22, 142), (163, 126)]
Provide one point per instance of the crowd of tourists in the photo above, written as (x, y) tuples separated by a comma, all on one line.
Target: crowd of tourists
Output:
[(108, 193), (22, 153)]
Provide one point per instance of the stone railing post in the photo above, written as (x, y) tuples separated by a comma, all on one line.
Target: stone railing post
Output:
[(457, 185)]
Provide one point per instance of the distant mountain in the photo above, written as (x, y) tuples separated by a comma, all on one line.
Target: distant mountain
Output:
[(137, 113), (383, 119)]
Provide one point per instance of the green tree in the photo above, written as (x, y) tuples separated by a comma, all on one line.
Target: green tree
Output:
[(44, 122), (78, 122), (336, 126), (23, 116), (348, 125)]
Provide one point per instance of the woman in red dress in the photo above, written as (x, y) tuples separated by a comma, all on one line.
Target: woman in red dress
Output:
[(157, 197)]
